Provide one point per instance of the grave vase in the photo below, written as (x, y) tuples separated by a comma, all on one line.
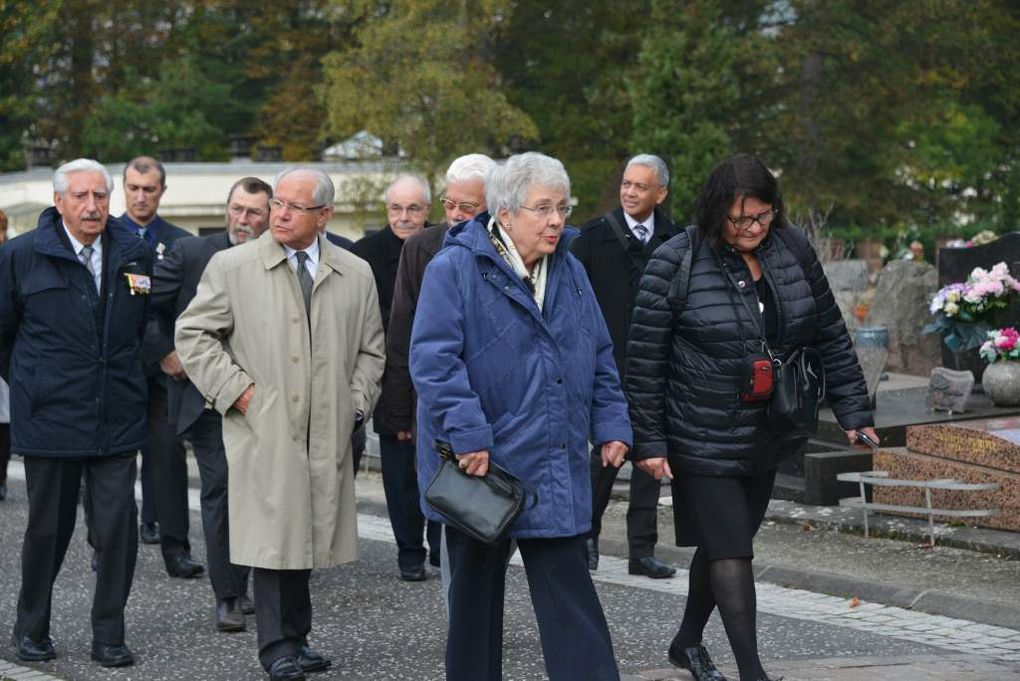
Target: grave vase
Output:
[(1001, 382)]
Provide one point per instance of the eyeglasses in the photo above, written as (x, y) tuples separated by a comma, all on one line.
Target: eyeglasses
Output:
[(237, 211), (547, 209), (277, 204), (745, 221), (466, 207), (397, 209)]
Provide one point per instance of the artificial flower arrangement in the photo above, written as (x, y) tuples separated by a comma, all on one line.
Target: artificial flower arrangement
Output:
[(963, 310), (1002, 345)]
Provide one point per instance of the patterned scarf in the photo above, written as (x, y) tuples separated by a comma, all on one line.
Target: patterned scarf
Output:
[(535, 280)]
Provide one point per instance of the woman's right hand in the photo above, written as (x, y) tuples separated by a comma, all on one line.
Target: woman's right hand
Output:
[(474, 463), (657, 467)]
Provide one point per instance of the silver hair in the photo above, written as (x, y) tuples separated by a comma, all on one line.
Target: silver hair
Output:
[(653, 162), (417, 179), (507, 185), (322, 194), (60, 181), (469, 167)]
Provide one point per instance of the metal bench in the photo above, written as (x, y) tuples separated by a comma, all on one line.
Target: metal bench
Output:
[(882, 479)]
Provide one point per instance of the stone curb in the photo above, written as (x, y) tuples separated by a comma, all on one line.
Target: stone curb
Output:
[(12, 672)]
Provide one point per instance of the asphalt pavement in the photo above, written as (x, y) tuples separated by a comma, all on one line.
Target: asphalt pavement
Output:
[(374, 626)]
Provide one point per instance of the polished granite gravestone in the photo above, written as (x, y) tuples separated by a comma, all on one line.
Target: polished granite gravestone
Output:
[(973, 451), (956, 264)]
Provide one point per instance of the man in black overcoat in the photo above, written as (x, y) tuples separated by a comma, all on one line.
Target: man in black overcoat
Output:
[(175, 282), (614, 249)]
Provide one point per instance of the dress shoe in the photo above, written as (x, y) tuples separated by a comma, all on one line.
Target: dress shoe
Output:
[(311, 661), (229, 617), (694, 659), (112, 655), (286, 669), (650, 566), (148, 533), (247, 606), (184, 567), (415, 573), (34, 651), (591, 546), (3, 492)]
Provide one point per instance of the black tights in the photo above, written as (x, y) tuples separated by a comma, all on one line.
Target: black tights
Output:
[(728, 583)]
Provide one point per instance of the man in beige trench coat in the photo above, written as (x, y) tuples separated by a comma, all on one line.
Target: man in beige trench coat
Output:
[(285, 340)]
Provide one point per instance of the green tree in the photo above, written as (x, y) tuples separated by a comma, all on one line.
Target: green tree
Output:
[(411, 77)]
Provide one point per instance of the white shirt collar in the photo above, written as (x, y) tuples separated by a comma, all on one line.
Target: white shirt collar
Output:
[(649, 223), (313, 257), (97, 245)]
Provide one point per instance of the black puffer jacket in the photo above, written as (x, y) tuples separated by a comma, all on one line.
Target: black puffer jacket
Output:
[(683, 369)]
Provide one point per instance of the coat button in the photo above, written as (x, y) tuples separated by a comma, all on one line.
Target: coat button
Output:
[(559, 381), (295, 359), (294, 320), (295, 398), (741, 284)]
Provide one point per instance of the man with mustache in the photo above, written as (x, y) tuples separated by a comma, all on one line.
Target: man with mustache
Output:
[(73, 305), (164, 466), (175, 281)]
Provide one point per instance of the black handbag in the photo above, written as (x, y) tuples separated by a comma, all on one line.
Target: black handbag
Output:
[(482, 507), (797, 393)]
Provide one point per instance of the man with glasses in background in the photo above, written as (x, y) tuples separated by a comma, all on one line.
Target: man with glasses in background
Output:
[(614, 249), (408, 201), (174, 284)]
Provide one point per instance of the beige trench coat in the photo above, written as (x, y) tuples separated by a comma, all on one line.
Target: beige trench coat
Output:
[(291, 478)]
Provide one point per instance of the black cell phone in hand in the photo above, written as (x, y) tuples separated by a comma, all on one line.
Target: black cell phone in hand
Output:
[(865, 440)]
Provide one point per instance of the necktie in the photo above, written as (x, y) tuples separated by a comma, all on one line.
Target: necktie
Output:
[(305, 280), (641, 232), (85, 255)]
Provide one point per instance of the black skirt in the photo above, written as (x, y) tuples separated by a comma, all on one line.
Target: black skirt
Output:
[(720, 514)]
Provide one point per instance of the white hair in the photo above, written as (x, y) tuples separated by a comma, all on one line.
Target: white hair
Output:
[(60, 181), (507, 185), (469, 167), (322, 194), (653, 162), (416, 179)]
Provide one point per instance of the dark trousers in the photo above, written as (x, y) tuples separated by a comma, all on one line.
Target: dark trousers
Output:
[(53, 486), (283, 612), (206, 438), (642, 510), (400, 483), (164, 452), (5, 450), (575, 639)]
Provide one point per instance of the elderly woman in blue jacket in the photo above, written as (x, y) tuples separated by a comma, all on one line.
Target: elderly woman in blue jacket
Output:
[(513, 363)]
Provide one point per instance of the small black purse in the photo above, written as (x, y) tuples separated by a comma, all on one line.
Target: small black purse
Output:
[(797, 393), (482, 507)]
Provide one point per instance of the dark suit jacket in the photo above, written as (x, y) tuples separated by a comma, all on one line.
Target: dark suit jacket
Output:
[(382, 251), (165, 235), (174, 283), (615, 273), (341, 241)]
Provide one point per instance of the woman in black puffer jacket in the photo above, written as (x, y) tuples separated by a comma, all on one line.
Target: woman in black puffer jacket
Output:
[(751, 275)]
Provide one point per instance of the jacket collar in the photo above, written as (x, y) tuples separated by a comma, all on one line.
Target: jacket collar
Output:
[(272, 253), (122, 243)]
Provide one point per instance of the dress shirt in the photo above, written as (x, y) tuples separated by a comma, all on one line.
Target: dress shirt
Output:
[(97, 255), (312, 264), (649, 224)]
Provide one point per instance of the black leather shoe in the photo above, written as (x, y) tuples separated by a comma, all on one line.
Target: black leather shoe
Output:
[(694, 659), (148, 533), (229, 617), (112, 655), (184, 567), (247, 606), (650, 566), (286, 669), (34, 651), (415, 573), (591, 546), (311, 661)]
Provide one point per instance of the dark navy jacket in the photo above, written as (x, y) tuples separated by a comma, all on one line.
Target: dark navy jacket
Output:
[(71, 357)]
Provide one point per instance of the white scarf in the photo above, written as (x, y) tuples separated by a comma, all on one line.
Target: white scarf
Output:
[(508, 251)]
